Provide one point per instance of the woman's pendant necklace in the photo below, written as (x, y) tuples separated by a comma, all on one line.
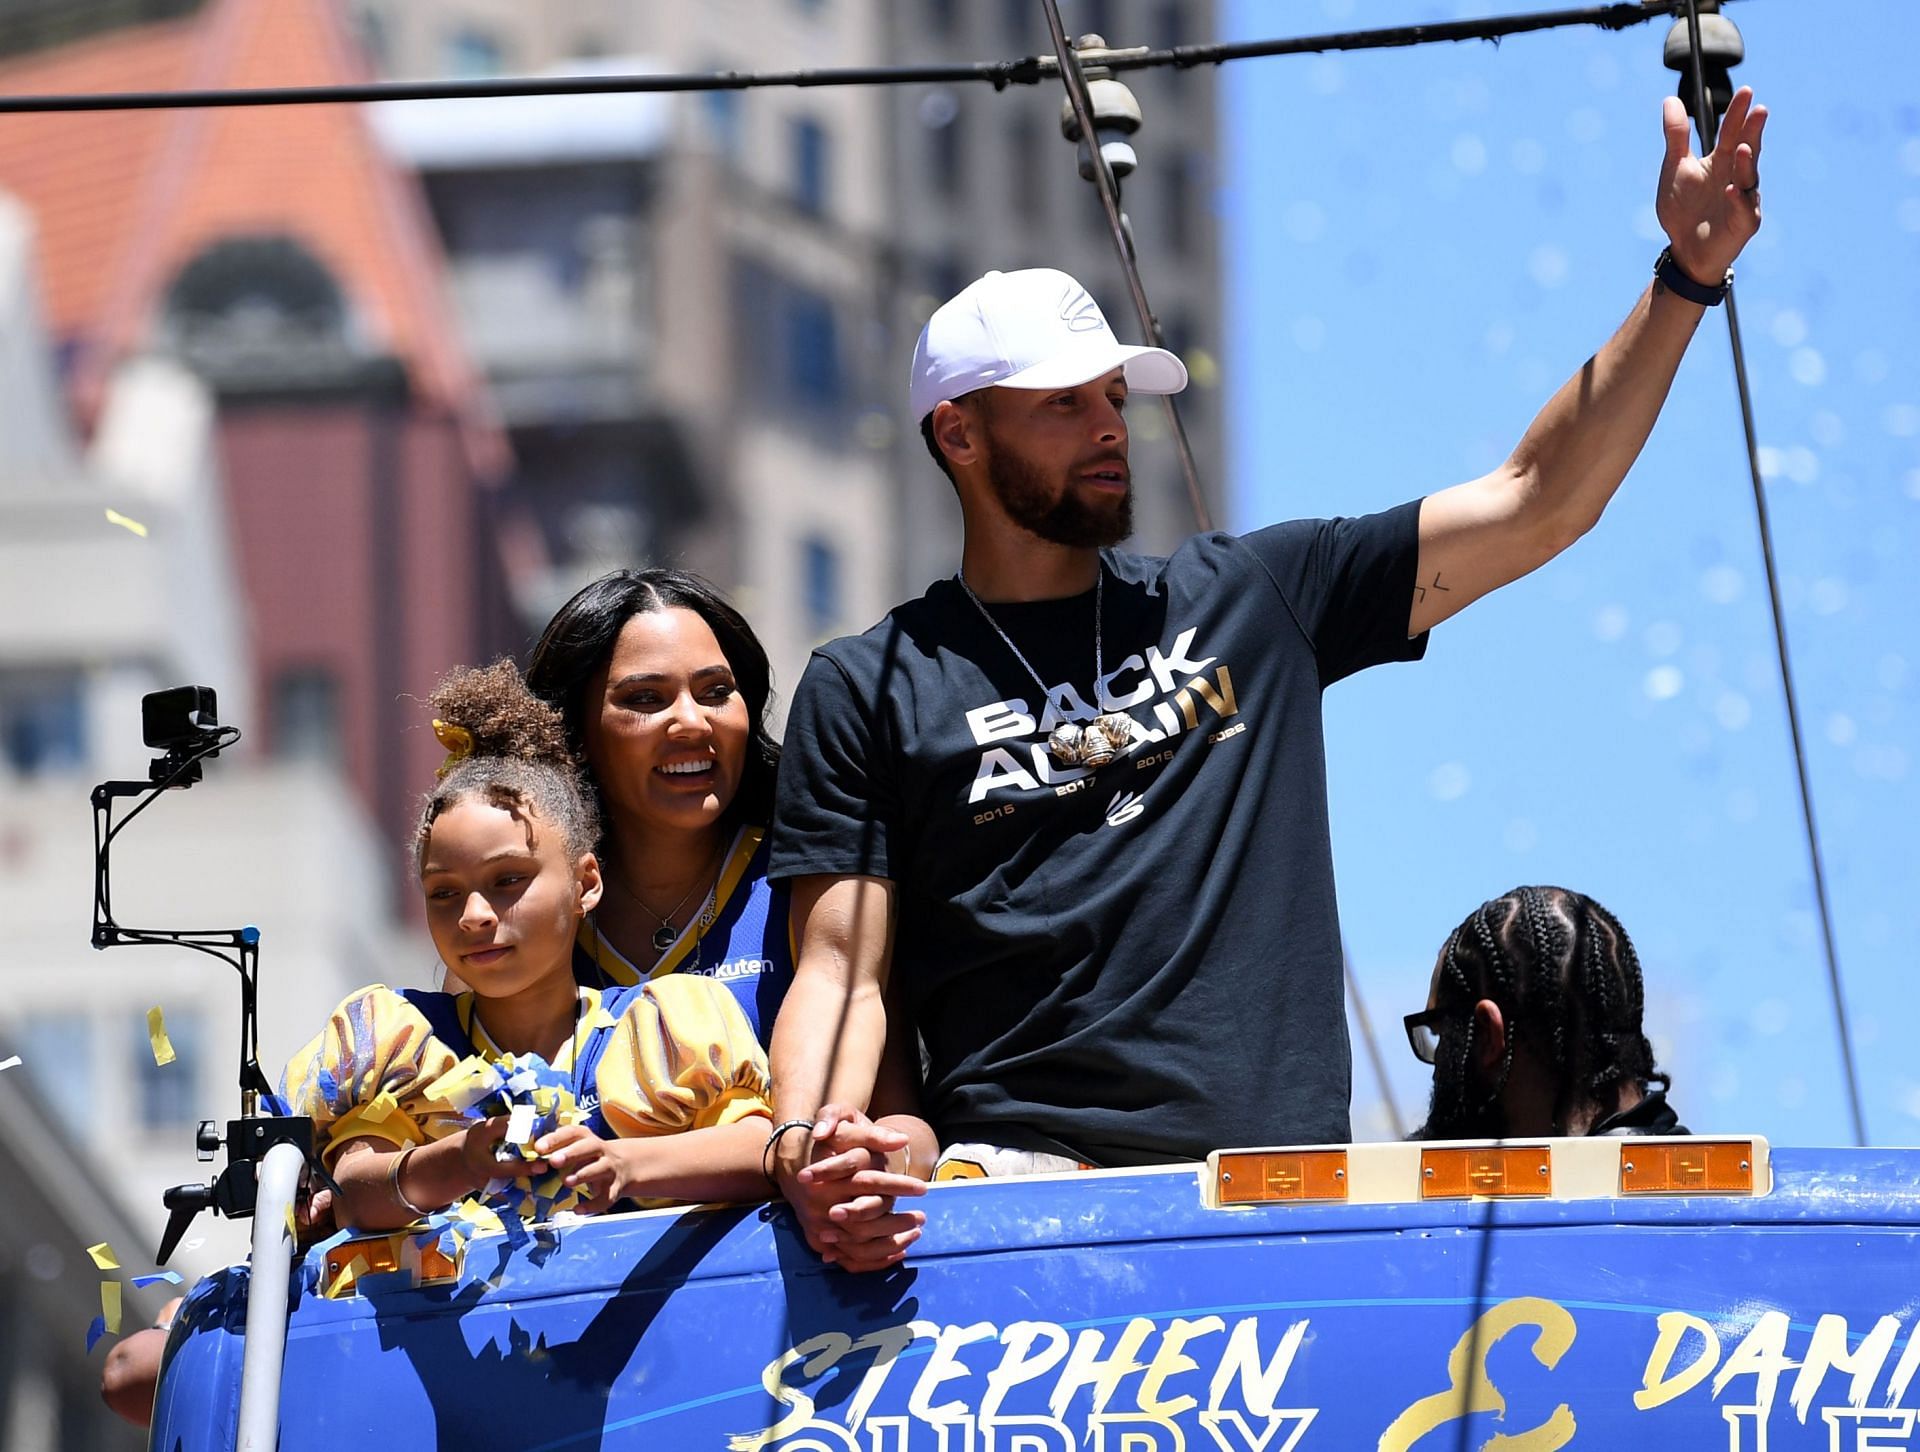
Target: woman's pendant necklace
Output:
[(1105, 736), (666, 935)]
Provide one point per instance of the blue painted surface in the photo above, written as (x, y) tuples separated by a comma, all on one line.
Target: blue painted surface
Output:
[(1265, 1328)]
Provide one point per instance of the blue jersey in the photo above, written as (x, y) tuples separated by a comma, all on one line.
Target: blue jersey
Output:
[(742, 939)]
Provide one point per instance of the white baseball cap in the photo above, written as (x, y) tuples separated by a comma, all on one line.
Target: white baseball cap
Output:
[(1036, 328)]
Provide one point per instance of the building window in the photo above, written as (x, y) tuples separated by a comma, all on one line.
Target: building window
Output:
[(43, 722), (813, 349), (787, 344), (56, 1051), (167, 1093), (252, 306), (1022, 21), (810, 177), (820, 585), (372, 30), (723, 116), (1026, 168), (940, 114), (1170, 25), (304, 708), (471, 54), (1170, 33)]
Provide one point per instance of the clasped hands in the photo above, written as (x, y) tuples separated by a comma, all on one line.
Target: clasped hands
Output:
[(842, 1177)]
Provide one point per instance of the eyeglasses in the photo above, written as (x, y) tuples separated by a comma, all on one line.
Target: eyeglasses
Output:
[(1421, 1033)]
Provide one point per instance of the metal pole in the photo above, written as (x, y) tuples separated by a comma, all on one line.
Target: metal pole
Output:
[(1709, 124), (258, 1429), (1109, 190), (1374, 1056)]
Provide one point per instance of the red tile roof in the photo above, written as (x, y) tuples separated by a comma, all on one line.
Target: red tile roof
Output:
[(123, 200)]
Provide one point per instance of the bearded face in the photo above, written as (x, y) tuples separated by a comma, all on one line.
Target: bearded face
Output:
[(1056, 505)]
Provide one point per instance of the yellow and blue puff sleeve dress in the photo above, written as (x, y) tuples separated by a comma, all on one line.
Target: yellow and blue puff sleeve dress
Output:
[(679, 1055)]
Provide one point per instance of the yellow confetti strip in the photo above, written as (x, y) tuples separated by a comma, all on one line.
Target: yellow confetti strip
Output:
[(293, 1229), (110, 1305), (157, 1036), (349, 1273), (602, 1019), (132, 526), (479, 1216), (465, 1083), (103, 1256), (381, 1109)]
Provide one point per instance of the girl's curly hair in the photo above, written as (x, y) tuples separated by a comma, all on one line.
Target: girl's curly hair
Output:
[(520, 757)]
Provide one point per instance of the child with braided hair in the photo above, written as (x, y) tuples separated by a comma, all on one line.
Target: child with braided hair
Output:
[(1533, 1025), (666, 1094)]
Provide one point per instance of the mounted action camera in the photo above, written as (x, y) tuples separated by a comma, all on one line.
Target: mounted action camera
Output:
[(183, 723)]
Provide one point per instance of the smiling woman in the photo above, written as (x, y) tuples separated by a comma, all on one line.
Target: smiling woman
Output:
[(664, 692)]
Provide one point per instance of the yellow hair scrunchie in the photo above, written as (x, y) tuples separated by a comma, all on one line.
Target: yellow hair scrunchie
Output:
[(459, 743)]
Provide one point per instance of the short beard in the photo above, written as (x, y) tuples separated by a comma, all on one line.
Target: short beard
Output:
[(1066, 519)]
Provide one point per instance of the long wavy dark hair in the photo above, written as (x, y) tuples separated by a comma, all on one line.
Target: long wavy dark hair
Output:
[(1566, 976), (579, 640)]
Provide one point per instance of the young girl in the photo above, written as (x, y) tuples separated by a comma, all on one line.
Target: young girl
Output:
[(671, 1076)]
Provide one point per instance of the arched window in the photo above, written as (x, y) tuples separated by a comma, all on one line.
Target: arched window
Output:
[(248, 302)]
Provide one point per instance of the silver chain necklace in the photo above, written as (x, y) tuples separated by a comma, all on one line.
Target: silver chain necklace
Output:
[(1106, 736)]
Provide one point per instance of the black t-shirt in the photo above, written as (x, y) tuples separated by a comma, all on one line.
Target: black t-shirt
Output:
[(1134, 964)]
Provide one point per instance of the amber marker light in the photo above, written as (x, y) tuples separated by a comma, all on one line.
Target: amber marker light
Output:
[(1487, 1171), (382, 1255), (1695, 1167), (1250, 1178)]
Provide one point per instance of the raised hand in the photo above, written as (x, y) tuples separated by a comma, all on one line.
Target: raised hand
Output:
[(1710, 206)]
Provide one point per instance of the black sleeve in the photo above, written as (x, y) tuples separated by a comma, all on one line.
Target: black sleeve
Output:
[(1349, 584), (834, 802)]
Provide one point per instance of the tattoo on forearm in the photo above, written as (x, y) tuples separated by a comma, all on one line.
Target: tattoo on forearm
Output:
[(1420, 591)]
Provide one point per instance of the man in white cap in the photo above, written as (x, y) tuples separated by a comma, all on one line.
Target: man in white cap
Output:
[(1065, 814)]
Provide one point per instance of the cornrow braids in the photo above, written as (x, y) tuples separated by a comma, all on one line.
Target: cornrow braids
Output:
[(1569, 980), (520, 758), (1450, 1115)]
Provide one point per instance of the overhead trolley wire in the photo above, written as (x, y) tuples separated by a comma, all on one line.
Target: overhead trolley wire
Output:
[(1108, 188), (1025, 71), (1708, 121)]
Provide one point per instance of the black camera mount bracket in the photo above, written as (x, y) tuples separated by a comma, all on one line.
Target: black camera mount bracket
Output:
[(250, 1136)]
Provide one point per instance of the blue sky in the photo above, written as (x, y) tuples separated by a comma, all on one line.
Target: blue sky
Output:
[(1421, 246)]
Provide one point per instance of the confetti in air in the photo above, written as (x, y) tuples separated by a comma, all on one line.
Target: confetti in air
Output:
[(110, 1305), (131, 526), (169, 1277), (10, 1063), (157, 1036), (103, 1256)]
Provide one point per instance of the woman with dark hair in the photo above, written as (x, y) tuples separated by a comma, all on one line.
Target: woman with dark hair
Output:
[(664, 691), (1533, 1025)]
